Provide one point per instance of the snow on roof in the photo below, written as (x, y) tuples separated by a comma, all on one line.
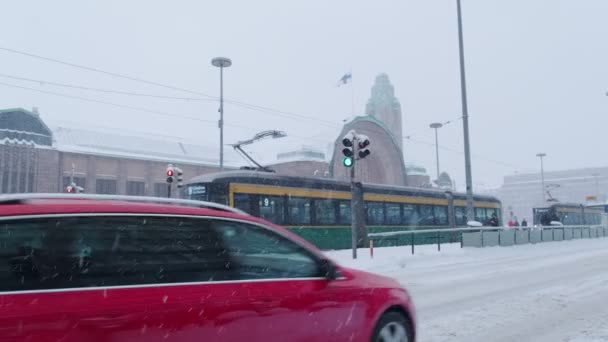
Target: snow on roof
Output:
[(130, 146)]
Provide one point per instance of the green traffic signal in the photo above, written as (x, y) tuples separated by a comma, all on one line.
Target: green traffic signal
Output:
[(347, 161)]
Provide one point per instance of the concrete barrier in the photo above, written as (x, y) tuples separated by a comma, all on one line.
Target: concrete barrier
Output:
[(499, 236), (586, 233), (522, 237), (558, 235), (547, 235), (568, 234), (535, 236), (471, 239), (490, 239), (507, 237)]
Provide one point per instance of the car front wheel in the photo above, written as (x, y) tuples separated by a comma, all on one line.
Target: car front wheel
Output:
[(392, 327)]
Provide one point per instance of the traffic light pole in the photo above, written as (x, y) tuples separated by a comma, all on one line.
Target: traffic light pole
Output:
[(168, 190), (353, 205)]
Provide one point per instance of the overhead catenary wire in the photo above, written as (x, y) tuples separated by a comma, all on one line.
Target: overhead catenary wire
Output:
[(171, 87), (80, 87), (140, 109)]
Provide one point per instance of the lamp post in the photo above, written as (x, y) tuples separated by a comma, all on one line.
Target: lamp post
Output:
[(221, 62), (465, 120), (436, 126), (542, 173)]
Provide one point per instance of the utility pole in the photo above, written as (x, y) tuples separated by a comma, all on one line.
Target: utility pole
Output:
[(465, 120)]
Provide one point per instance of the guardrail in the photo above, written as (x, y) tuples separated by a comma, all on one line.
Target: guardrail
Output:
[(494, 236)]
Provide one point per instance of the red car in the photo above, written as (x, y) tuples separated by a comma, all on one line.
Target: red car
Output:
[(98, 268)]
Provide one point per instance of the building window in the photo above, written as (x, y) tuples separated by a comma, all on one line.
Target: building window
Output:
[(105, 186), (135, 188), (160, 190)]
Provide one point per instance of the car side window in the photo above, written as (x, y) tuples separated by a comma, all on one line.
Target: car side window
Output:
[(73, 252), (263, 254)]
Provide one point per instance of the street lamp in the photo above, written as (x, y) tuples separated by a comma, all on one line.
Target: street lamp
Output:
[(542, 173), (465, 120), (221, 62), (436, 126)]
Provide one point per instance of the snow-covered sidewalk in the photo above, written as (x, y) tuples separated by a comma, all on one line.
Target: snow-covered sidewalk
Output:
[(555, 291)]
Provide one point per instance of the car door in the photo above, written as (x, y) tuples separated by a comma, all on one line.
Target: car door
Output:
[(293, 299), (112, 278)]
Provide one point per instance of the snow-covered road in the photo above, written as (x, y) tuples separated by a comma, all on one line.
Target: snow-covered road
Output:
[(555, 291)]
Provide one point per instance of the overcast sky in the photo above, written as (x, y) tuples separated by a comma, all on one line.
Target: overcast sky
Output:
[(537, 72)]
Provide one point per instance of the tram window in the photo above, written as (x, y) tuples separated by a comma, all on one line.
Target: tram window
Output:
[(299, 211), (218, 193), (441, 215), (410, 215), (489, 213), (325, 212), (426, 216), (461, 217), (244, 202), (480, 215), (375, 213), (393, 213), (344, 212), (271, 208)]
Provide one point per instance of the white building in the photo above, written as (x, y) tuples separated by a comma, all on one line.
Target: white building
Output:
[(520, 193)]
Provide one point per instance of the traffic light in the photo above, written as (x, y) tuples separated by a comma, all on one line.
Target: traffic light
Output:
[(363, 143), (170, 173), (349, 154), (180, 177)]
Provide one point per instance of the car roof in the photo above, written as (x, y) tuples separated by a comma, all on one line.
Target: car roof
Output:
[(78, 206)]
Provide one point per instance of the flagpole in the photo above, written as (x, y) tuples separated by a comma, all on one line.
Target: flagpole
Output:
[(352, 93)]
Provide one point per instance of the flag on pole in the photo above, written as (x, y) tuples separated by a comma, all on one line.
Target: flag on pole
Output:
[(345, 79)]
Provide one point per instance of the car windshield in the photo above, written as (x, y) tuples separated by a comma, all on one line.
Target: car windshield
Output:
[(443, 144)]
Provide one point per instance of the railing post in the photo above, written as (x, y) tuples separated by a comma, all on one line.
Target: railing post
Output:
[(412, 243), (461, 239), (371, 248), (552, 234), (530, 235), (481, 232), (439, 241), (542, 230)]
